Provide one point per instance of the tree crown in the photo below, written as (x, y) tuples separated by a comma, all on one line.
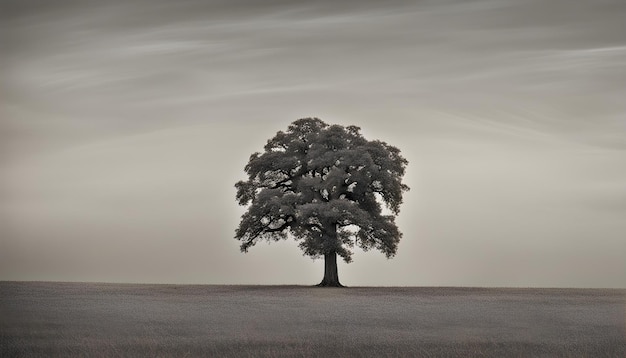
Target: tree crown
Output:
[(324, 185)]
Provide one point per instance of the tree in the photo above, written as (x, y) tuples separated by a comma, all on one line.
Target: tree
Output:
[(323, 185)]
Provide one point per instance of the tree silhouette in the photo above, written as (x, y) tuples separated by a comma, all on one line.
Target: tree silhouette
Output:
[(323, 185)]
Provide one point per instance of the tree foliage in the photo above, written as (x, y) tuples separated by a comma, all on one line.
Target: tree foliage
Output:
[(323, 185)]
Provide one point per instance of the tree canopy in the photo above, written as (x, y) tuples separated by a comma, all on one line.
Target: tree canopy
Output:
[(325, 186)]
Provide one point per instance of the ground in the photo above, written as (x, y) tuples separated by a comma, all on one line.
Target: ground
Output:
[(103, 320)]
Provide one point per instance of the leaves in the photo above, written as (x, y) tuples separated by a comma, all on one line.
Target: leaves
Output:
[(323, 185)]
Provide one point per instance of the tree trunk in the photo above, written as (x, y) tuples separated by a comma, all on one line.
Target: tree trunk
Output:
[(331, 278)]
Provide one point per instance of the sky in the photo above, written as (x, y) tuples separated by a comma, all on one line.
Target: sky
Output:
[(125, 124)]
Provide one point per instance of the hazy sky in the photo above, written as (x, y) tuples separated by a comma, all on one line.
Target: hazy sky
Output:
[(125, 124)]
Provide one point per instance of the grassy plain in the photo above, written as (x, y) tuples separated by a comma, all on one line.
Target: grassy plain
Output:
[(40, 319)]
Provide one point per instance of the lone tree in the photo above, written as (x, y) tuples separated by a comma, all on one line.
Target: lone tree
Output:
[(323, 185)]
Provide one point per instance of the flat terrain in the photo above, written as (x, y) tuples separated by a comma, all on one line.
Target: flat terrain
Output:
[(105, 320)]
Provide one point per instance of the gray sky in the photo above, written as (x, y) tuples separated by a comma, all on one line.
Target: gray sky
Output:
[(125, 124)]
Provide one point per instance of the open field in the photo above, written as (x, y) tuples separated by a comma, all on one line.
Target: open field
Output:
[(104, 320)]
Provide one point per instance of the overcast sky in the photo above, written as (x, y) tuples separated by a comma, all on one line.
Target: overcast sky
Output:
[(125, 124)]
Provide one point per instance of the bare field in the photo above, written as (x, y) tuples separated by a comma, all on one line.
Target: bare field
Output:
[(40, 319)]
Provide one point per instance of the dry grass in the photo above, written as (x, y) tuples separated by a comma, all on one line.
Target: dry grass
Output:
[(105, 320)]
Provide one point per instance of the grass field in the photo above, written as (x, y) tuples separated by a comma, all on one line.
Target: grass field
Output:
[(108, 320)]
